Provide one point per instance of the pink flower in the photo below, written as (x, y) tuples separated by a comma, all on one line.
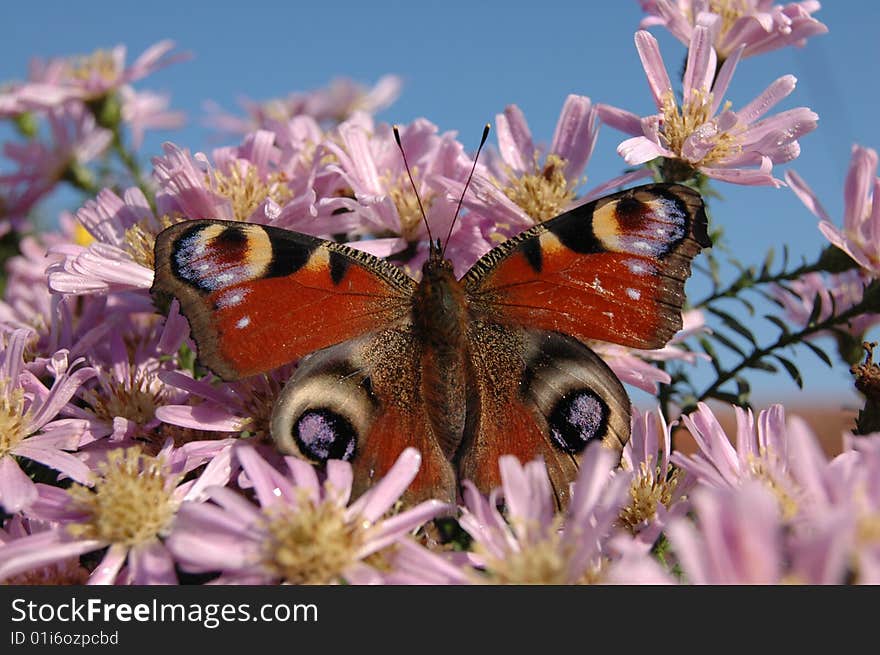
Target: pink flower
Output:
[(244, 405), (30, 429), (737, 540), (860, 236), (526, 183), (633, 366), (119, 251), (85, 78), (129, 510), (74, 139), (535, 545), (757, 24), (247, 183), (302, 531), (62, 572), (758, 454), (146, 110), (127, 389), (333, 104), (726, 145), (387, 217), (657, 490), (836, 292)]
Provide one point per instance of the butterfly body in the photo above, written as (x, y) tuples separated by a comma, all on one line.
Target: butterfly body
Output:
[(465, 370)]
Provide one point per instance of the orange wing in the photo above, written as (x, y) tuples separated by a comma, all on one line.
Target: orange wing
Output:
[(613, 269), (257, 297)]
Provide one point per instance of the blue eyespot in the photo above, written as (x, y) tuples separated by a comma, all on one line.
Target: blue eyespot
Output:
[(579, 417), (322, 434)]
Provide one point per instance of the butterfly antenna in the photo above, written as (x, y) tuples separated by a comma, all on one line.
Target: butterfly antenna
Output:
[(466, 185), (413, 183)]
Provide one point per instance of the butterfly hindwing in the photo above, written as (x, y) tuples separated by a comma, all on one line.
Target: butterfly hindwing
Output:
[(612, 269), (359, 401), (258, 297), (542, 394)]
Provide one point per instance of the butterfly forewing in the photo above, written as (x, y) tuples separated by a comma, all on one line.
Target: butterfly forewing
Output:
[(258, 297), (612, 270)]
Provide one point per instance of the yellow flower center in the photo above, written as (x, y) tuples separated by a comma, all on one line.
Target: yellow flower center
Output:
[(132, 500), (310, 543), (245, 190), (407, 204), (544, 193), (13, 418), (66, 572), (677, 125), (262, 392), (134, 398), (650, 488), (761, 468), (140, 239), (730, 12), (100, 64)]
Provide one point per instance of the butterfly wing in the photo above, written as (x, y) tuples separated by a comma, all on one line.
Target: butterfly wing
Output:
[(258, 297), (542, 394), (359, 401), (613, 269)]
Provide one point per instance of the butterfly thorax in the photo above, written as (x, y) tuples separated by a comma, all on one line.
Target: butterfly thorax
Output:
[(439, 319)]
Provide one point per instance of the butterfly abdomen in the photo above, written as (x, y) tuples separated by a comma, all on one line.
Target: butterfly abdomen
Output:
[(439, 319)]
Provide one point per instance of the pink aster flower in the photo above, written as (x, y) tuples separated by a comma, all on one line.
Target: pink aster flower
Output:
[(74, 138), (757, 24), (233, 407), (122, 401), (63, 572), (247, 183), (758, 453), (726, 145), (860, 236), (741, 537), (657, 490), (333, 104), (526, 183), (837, 292), (633, 366), (128, 509), (117, 251), (30, 427), (388, 219), (301, 531), (146, 110), (534, 544), (57, 81)]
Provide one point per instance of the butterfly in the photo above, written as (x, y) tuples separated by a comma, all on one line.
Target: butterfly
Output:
[(464, 370)]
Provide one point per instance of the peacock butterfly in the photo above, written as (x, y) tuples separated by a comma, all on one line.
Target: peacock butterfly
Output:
[(465, 370)]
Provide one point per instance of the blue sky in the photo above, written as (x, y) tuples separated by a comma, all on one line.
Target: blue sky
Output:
[(462, 62)]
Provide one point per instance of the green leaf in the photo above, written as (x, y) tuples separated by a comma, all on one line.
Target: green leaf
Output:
[(726, 397), (763, 365), (724, 341), (733, 324), (791, 369), (778, 322), (713, 355), (817, 309), (819, 353), (768, 262)]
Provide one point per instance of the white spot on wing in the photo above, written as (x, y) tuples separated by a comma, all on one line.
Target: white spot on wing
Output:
[(243, 322), (635, 294)]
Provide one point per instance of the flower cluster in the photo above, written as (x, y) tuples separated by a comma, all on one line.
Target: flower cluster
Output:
[(123, 461)]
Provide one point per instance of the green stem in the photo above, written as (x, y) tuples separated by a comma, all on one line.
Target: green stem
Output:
[(869, 303), (831, 260), (131, 164)]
